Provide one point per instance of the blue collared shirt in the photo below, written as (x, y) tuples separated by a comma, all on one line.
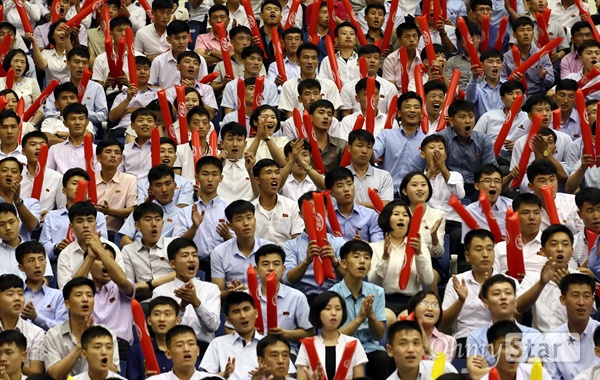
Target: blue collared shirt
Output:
[(9, 264), (535, 85), (206, 237), (94, 99), (295, 253), (467, 159), (33, 205), (572, 127), (184, 190), (485, 97), (401, 154), (532, 339), (362, 218), (56, 225), (170, 215), (49, 305), (353, 307), (499, 209), (226, 260)]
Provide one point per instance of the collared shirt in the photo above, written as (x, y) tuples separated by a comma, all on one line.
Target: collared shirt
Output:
[(567, 213), (56, 124), (430, 217), (229, 263), (110, 375), (347, 68), (392, 70), (206, 237), (119, 192), (285, 12), (239, 69), (17, 153), (196, 376), (231, 346), (204, 319), (580, 248), (35, 338), (263, 150), (425, 370), (442, 191), (289, 128), (359, 357), (292, 69), (293, 189), (437, 39), (533, 262), (209, 41), (590, 373), (71, 258), (565, 17), (96, 40), (148, 42), (41, 34), (170, 214), (12, 15), (27, 89), (137, 16), (484, 96), (56, 226), (347, 125), (51, 196), (499, 209), (140, 99), (386, 92), (333, 152), (184, 190), (376, 179), (463, 65), (144, 264), (490, 123), (295, 253), (102, 70), (554, 31), (56, 66), (64, 156), (236, 182), (110, 301), (524, 372), (440, 342), (33, 206), (10, 265), (353, 307), (279, 224), (535, 85), (362, 219), (401, 153), (386, 273), (467, 159), (572, 127), (49, 305), (164, 73), (230, 98), (137, 160), (532, 343), (399, 19), (289, 94), (94, 99), (206, 93), (578, 356), (570, 63), (59, 342)]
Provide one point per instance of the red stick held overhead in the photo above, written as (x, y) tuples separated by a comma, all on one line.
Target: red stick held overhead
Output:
[(334, 223), (10, 78), (535, 128), (485, 33), (501, 33), (353, 20), (196, 146), (392, 110), (41, 99), (311, 230), (427, 41), (450, 95), (319, 202), (213, 143), (241, 98), (543, 36), (404, 68), (362, 64), (473, 55), (586, 131), (253, 25), (370, 108), (333, 62), (40, 169), (312, 26), (331, 14), (258, 92), (389, 27), (278, 50), (421, 92), (300, 131), (292, 15), (23, 16), (508, 121), (84, 12), (80, 193)]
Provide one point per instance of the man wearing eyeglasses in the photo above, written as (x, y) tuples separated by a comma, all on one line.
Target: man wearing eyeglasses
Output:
[(488, 180)]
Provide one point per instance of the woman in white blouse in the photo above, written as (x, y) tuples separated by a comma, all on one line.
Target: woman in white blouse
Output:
[(26, 88), (53, 60), (416, 189), (389, 258), (328, 313), (265, 121)]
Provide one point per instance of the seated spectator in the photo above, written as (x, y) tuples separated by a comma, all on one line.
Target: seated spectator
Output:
[(101, 73), (408, 34), (566, 15), (12, 301), (151, 40), (467, 149), (355, 220), (298, 176), (13, 100), (485, 94), (135, 13), (12, 15), (360, 146), (441, 34), (273, 353), (9, 133), (366, 319), (588, 52), (26, 88), (229, 261), (199, 301), (571, 63), (198, 120), (324, 312), (56, 233), (389, 254), (265, 145), (192, 99), (62, 343), (70, 153), (137, 157), (299, 253), (98, 350), (40, 31), (208, 45), (291, 39), (82, 218), (322, 114), (249, 86), (590, 371), (435, 92), (564, 96), (183, 351), (346, 57), (96, 44), (164, 71), (13, 347), (271, 17), (587, 201), (53, 60)]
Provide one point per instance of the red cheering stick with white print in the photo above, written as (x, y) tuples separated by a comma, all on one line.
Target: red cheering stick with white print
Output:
[(514, 246), (311, 230), (253, 289), (165, 109), (486, 207), (319, 202), (23, 16), (182, 114), (40, 169), (258, 92), (271, 301), (413, 232), (224, 44), (508, 121), (41, 99), (241, 99), (85, 79), (142, 330), (370, 108), (155, 146), (88, 150)]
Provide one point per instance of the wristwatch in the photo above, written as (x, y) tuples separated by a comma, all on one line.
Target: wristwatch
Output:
[(546, 153), (209, 52), (19, 202), (267, 139)]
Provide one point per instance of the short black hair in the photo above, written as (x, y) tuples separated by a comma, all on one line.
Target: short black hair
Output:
[(522, 21), (269, 249), (252, 49), (240, 29), (540, 167), (77, 52), (146, 208), (209, 160), (287, 149), (459, 105), (76, 109), (511, 85), (378, 6), (545, 131), (237, 207), (12, 159), (355, 246), (337, 174), (163, 300), (486, 169), (161, 4), (433, 138), (416, 299), (526, 199), (587, 194), (234, 129), (291, 30), (8, 208), (496, 279), (437, 49), (406, 180), (236, 298), (92, 332), (10, 281), (76, 282), (141, 60), (306, 46), (400, 326), (167, 140), (586, 45), (321, 103), (83, 208), (103, 144), (64, 87), (34, 134), (433, 85), (361, 85), (178, 244), (269, 340), (186, 54), (407, 26), (308, 84), (554, 229), (28, 247), (272, 2), (477, 233), (489, 54), (344, 24), (74, 172), (408, 95), (368, 49), (119, 21), (199, 110), (567, 85), (534, 100), (308, 196), (361, 135), (320, 303), (576, 279), (580, 25), (258, 111), (261, 164), (472, 29), (15, 337), (160, 171), (143, 111), (178, 330), (384, 217), (500, 330)]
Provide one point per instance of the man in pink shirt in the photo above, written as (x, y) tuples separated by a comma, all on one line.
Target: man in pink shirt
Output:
[(208, 44)]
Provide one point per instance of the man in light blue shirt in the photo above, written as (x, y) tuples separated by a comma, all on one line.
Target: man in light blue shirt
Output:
[(365, 306), (299, 252), (355, 220), (564, 96), (400, 148), (485, 93), (44, 306)]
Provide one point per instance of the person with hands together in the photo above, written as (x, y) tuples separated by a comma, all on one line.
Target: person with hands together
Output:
[(298, 176), (265, 121), (101, 73), (273, 353), (13, 353)]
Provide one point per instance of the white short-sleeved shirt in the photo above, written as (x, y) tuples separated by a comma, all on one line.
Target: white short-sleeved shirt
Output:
[(567, 213), (386, 92), (54, 125), (164, 73), (347, 125), (35, 339), (51, 196), (293, 189), (28, 89), (359, 357), (57, 66), (230, 99), (289, 94), (533, 262), (236, 182), (148, 42), (144, 264), (347, 69), (279, 224)]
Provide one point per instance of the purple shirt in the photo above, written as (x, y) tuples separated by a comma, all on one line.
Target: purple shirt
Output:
[(109, 302), (208, 41), (64, 156), (571, 63), (137, 160)]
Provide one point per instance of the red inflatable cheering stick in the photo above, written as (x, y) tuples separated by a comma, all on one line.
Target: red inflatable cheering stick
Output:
[(88, 150), (254, 292), (142, 329), (376, 200), (271, 301), (514, 247), (40, 169), (463, 213), (486, 207), (155, 146), (413, 232), (548, 195), (320, 215), (311, 231)]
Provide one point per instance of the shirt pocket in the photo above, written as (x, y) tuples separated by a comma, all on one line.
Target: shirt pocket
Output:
[(284, 225)]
